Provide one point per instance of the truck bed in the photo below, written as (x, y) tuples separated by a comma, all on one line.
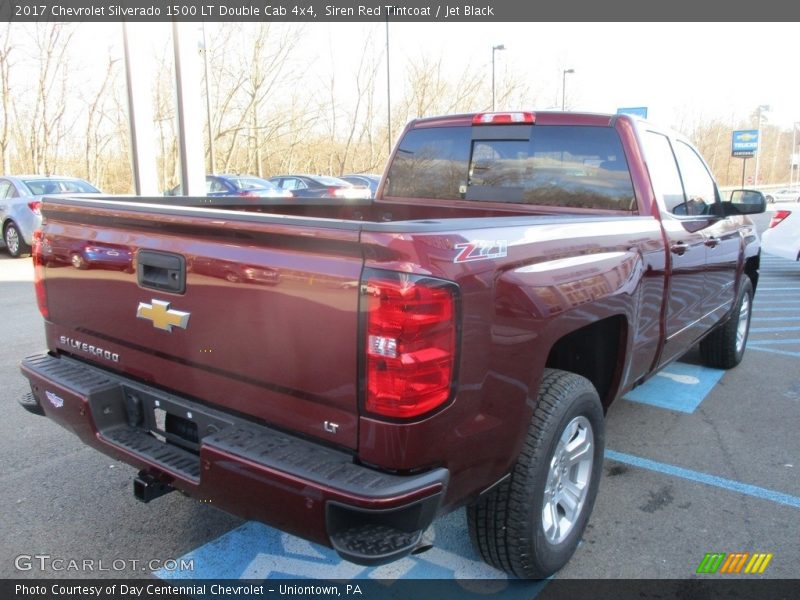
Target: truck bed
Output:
[(273, 298)]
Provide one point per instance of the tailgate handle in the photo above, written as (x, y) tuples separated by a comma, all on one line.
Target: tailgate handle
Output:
[(161, 271)]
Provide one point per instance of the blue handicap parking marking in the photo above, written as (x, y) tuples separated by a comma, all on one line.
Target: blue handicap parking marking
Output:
[(678, 386), (255, 551)]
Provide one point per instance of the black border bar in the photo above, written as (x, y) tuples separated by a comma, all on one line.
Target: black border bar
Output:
[(706, 588), (483, 11)]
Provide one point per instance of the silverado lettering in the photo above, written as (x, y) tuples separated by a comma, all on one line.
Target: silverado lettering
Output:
[(455, 341), (88, 348)]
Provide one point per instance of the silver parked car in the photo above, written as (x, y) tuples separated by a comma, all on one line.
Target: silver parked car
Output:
[(21, 201), (784, 195)]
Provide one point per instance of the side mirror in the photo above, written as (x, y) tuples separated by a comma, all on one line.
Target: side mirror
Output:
[(745, 202)]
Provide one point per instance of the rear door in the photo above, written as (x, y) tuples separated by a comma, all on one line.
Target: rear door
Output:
[(684, 221), (256, 314), (722, 239)]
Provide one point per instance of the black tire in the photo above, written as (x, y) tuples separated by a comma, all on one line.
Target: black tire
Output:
[(770, 200), (506, 525), (723, 348), (15, 243)]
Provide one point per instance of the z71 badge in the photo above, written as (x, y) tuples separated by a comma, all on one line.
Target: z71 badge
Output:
[(481, 250)]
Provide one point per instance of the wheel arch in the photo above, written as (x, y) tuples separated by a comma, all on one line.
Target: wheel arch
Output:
[(751, 266), (595, 351)]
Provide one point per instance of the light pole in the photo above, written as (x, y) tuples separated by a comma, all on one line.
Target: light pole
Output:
[(564, 87), (495, 49), (794, 156), (761, 109), (388, 88), (211, 160)]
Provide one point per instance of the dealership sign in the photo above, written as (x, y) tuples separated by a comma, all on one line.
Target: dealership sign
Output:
[(636, 111), (745, 143)]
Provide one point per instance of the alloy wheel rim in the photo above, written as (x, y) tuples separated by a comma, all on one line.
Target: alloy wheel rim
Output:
[(742, 325), (12, 240), (568, 478)]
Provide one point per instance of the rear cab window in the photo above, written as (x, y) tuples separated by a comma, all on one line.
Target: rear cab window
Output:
[(574, 166)]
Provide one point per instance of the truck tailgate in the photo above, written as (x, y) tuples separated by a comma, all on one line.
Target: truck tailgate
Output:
[(256, 314)]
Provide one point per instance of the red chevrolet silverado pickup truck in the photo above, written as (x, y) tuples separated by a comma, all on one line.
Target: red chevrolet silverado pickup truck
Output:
[(349, 371)]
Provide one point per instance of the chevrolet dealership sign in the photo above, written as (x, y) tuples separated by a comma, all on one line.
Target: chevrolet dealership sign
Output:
[(745, 143)]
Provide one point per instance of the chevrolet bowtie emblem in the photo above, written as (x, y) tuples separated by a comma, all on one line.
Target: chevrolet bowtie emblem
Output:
[(162, 316)]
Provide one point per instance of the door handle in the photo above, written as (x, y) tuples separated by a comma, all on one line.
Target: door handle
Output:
[(679, 248), (712, 242)]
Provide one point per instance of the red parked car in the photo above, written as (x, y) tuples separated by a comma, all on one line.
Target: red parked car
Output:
[(321, 186)]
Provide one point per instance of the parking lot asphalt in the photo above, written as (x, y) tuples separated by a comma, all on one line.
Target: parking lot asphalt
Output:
[(702, 462)]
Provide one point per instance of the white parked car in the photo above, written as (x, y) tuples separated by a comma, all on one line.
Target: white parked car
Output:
[(783, 236), (784, 195)]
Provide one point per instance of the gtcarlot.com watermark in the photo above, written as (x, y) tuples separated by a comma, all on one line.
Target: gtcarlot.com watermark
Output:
[(48, 563)]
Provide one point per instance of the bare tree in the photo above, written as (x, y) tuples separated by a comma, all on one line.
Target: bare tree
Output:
[(99, 119), (164, 117), (44, 126), (432, 91), (6, 49), (360, 119), (248, 63)]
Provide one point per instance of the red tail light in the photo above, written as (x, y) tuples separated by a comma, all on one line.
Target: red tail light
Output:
[(504, 118), (779, 216), (38, 273), (410, 344), (36, 207)]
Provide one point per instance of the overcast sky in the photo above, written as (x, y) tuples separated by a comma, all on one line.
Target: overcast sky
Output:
[(720, 70), (679, 71)]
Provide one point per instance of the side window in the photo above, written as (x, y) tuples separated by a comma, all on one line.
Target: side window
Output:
[(697, 181), (664, 173), (289, 184), (215, 185), (5, 189)]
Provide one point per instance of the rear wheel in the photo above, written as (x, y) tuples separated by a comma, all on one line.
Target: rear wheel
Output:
[(530, 525), (15, 243), (78, 261), (724, 347)]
